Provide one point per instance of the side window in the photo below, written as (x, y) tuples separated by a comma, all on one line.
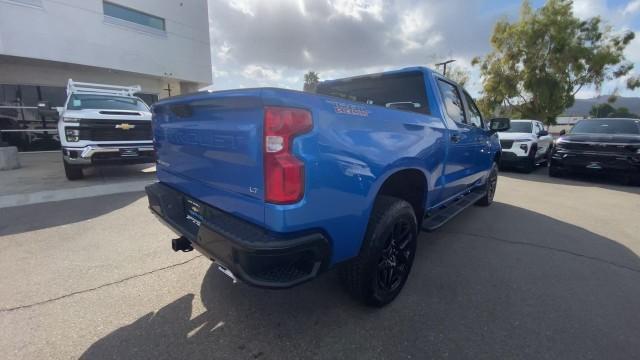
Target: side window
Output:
[(538, 128), (452, 101), (475, 118)]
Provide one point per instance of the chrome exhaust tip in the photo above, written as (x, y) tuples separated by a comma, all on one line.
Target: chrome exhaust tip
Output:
[(228, 272)]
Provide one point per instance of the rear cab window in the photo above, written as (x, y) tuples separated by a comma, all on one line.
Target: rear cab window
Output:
[(403, 91)]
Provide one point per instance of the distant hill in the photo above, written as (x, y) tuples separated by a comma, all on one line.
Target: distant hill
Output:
[(583, 106)]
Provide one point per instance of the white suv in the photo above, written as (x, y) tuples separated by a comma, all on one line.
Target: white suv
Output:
[(525, 144)]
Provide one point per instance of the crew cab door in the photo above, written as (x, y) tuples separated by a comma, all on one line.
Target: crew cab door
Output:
[(481, 136), (461, 168)]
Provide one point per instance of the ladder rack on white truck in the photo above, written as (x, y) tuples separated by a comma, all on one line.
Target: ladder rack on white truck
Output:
[(74, 87)]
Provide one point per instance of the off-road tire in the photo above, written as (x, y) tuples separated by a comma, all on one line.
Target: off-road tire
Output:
[(554, 172), (364, 276), (531, 163), (73, 172), (490, 187)]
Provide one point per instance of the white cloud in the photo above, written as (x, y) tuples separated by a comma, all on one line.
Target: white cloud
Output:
[(632, 7), (259, 42), (357, 8), (633, 50), (223, 52), (590, 8), (244, 6), (261, 73), (218, 73)]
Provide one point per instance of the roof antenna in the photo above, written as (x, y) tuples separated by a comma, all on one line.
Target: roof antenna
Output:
[(444, 64)]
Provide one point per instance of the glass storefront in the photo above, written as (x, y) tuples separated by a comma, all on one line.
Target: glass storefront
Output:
[(20, 123)]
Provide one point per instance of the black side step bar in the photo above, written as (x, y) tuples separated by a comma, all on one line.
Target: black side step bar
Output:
[(436, 219)]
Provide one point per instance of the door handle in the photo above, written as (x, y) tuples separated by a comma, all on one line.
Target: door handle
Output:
[(455, 138)]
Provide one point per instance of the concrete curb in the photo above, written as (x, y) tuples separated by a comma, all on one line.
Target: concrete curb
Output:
[(68, 194)]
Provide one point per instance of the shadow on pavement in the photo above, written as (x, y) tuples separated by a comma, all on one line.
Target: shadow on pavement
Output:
[(586, 180), (19, 219), (502, 282)]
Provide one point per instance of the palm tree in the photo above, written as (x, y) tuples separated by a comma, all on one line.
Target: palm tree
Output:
[(311, 80)]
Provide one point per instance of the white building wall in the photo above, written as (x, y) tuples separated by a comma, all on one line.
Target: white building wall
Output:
[(77, 32)]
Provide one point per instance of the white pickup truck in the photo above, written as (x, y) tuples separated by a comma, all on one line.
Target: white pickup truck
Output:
[(103, 124)]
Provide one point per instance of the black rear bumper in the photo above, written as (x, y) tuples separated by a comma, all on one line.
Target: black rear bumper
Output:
[(253, 254)]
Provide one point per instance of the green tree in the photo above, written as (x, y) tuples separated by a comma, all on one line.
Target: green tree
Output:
[(623, 112), (608, 111), (601, 110), (458, 75), (311, 80), (541, 61)]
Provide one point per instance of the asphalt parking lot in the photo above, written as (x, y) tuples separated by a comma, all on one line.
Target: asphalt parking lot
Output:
[(550, 270)]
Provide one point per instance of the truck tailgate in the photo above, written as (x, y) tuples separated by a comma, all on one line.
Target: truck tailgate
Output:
[(209, 146)]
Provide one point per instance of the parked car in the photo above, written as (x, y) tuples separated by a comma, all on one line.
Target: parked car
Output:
[(278, 186), (103, 124), (525, 145), (599, 146)]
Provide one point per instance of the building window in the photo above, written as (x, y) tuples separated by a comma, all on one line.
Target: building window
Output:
[(21, 124), (134, 16)]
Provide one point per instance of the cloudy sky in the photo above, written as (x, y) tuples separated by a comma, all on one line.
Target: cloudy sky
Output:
[(274, 42)]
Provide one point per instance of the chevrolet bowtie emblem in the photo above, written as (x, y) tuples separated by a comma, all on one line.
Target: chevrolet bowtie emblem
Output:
[(125, 126)]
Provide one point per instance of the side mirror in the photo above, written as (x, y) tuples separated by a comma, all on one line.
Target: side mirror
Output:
[(543, 133), (563, 132), (499, 124)]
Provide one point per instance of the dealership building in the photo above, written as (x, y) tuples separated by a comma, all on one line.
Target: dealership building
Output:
[(163, 46)]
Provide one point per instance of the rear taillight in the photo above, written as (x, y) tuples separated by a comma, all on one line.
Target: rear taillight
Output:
[(283, 172)]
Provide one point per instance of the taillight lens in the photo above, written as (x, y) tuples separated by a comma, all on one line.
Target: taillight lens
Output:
[(283, 172)]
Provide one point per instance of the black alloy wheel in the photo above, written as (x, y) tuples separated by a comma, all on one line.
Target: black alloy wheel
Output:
[(396, 257)]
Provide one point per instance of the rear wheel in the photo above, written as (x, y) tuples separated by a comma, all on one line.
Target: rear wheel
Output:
[(554, 171), (490, 187), (530, 163), (73, 172), (378, 274)]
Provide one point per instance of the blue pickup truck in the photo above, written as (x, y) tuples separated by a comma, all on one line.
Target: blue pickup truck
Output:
[(277, 186)]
